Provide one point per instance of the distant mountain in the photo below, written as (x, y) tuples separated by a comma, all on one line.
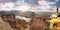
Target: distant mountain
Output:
[(14, 12), (26, 14), (10, 12), (46, 12)]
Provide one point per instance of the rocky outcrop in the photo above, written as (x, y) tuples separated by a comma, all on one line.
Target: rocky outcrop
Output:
[(4, 25)]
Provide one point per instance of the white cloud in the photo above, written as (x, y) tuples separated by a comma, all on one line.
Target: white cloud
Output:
[(19, 2), (22, 6), (6, 6), (9, 4), (18, 5)]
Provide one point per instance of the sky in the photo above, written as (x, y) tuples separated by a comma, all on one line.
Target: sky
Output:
[(29, 5)]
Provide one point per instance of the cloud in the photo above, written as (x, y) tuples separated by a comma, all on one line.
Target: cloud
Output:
[(23, 7), (45, 4), (57, 3), (26, 5), (8, 0), (19, 2), (9, 4), (31, 1), (51, 0)]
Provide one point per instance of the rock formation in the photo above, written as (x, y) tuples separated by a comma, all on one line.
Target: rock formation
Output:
[(4, 25)]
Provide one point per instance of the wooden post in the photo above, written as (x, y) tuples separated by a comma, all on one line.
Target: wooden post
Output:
[(57, 10)]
